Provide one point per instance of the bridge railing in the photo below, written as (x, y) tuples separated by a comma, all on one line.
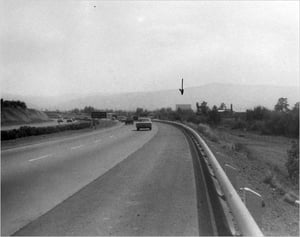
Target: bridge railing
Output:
[(245, 222)]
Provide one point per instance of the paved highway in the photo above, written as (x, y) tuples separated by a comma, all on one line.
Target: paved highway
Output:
[(114, 182)]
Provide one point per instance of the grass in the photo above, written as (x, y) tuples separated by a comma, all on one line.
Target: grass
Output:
[(205, 130), (261, 164)]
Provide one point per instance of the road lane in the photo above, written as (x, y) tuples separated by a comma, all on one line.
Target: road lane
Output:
[(36, 178), (152, 192)]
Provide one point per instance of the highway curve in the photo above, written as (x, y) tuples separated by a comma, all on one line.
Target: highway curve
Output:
[(151, 192)]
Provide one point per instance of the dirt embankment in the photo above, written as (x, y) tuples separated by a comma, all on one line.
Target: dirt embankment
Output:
[(260, 161), (18, 115)]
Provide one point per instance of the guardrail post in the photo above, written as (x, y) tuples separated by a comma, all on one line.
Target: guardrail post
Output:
[(255, 204)]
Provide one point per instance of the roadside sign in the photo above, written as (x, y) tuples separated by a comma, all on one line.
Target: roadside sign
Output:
[(99, 114)]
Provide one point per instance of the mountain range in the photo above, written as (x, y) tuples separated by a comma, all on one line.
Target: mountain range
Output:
[(242, 97)]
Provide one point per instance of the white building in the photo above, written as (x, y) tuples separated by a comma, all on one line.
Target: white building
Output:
[(184, 106)]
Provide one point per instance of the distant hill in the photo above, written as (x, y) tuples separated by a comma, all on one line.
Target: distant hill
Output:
[(20, 115), (241, 96)]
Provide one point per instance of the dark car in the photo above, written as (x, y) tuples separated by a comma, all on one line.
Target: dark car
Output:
[(135, 118), (122, 118), (129, 120)]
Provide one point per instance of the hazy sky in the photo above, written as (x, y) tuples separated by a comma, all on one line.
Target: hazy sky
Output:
[(54, 47)]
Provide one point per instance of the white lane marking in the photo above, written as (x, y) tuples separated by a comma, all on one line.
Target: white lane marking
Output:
[(75, 147), (101, 131), (41, 157)]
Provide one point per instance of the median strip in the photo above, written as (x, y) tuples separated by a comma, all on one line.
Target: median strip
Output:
[(39, 158)]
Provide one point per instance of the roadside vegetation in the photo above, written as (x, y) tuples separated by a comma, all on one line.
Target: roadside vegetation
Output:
[(263, 145), (26, 131), (12, 104), (17, 112), (281, 121)]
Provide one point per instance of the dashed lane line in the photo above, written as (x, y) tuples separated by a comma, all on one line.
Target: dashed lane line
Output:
[(39, 158), (75, 147)]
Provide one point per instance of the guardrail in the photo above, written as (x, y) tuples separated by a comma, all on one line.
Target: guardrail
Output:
[(246, 224)]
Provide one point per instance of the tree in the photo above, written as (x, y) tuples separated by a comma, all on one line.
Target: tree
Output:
[(222, 106), (203, 108), (258, 113), (139, 111), (282, 105), (214, 116), (88, 109), (296, 107), (76, 111)]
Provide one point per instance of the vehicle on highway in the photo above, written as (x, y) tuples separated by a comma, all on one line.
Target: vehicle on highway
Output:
[(122, 118), (135, 118), (69, 120), (60, 120), (129, 120), (143, 123)]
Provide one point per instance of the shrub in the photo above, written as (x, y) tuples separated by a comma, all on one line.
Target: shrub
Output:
[(239, 124), (196, 119), (258, 113), (12, 104), (25, 131), (292, 163), (207, 132), (257, 126), (214, 117)]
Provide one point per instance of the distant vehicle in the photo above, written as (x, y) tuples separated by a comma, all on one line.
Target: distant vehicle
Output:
[(129, 120), (135, 118), (60, 120), (143, 123), (99, 114), (122, 118), (87, 118), (69, 120)]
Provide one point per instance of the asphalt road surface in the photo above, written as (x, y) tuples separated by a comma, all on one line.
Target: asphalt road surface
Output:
[(116, 182)]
